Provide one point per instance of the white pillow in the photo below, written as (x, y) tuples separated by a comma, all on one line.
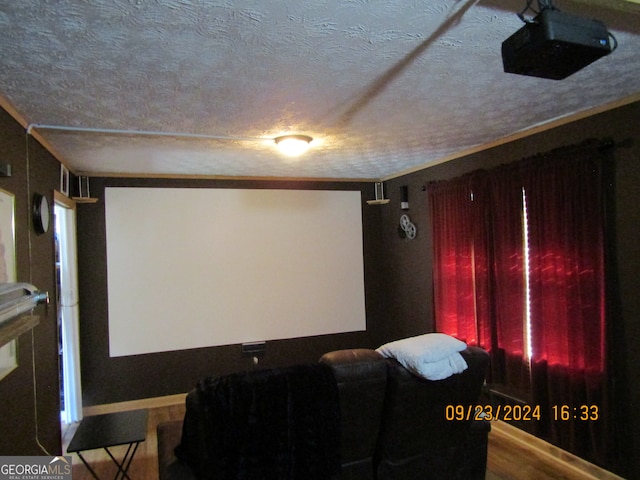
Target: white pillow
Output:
[(429, 347), (441, 369), (419, 354)]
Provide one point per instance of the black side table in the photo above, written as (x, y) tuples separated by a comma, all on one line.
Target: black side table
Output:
[(110, 430)]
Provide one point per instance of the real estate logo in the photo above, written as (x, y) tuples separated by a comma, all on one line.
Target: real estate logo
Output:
[(35, 468)]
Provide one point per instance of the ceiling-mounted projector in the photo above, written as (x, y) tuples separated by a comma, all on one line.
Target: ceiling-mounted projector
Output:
[(555, 45)]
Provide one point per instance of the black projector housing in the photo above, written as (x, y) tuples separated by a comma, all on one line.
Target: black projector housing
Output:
[(555, 45)]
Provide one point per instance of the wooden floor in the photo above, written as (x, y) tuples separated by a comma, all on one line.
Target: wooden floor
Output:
[(513, 455)]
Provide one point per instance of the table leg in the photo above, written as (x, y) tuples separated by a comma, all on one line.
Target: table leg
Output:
[(88, 466), (123, 466), (128, 462)]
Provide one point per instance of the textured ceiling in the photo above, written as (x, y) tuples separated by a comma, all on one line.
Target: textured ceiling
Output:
[(384, 87)]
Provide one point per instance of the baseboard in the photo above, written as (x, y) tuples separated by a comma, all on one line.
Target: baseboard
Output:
[(156, 402), (551, 453)]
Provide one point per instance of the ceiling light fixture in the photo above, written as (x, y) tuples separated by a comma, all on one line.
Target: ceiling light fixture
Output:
[(293, 145)]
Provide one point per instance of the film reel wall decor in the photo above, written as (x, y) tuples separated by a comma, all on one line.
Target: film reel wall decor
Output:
[(407, 229)]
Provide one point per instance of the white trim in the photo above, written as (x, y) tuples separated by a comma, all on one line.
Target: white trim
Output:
[(65, 215)]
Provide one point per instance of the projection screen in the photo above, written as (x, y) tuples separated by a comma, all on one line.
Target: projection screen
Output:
[(194, 267)]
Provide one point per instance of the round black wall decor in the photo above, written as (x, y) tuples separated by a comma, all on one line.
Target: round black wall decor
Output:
[(41, 213)]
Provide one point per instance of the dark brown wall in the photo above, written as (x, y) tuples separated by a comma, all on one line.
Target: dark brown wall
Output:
[(22, 429), (410, 262), (108, 380)]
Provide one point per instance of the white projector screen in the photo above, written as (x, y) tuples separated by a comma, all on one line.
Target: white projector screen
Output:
[(193, 267)]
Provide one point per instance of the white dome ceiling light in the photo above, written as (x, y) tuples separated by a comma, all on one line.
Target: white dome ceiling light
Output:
[(293, 145)]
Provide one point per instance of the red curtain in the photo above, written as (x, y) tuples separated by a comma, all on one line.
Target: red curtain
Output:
[(478, 269), (565, 201), (510, 356), (566, 230), (459, 264), (480, 284)]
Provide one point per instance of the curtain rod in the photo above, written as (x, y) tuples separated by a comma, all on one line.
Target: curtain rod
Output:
[(600, 144), (611, 143)]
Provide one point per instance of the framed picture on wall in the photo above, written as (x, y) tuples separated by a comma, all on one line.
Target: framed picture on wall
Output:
[(8, 353)]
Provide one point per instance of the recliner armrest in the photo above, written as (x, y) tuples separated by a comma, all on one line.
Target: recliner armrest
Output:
[(357, 363)]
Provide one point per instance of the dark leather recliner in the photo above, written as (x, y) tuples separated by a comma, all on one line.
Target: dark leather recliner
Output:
[(393, 423), (416, 439)]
